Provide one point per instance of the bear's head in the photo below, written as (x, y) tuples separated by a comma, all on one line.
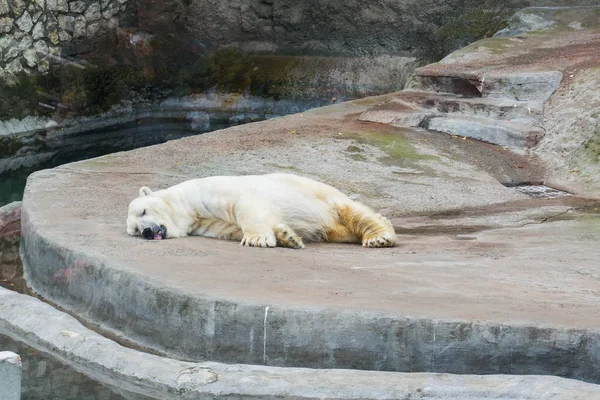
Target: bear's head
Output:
[(149, 216)]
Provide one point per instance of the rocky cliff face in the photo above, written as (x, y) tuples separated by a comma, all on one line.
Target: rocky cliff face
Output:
[(324, 27)]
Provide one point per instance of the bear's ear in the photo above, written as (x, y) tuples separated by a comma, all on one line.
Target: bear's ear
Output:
[(145, 191)]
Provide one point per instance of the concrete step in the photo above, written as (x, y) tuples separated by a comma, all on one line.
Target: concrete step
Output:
[(513, 134), (410, 108), (504, 109), (396, 113), (522, 86)]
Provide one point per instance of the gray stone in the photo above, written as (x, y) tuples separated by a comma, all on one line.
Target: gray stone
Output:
[(51, 20), (6, 41), (63, 337), (31, 57), (521, 86), (525, 21), (77, 6), (79, 27), (14, 67), (17, 7), (513, 135), (36, 16), (26, 42), (44, 65), (6, 24), (4, 9), (41, 4), (57, 5), (112, 23), (31, 8), (93, 12), (123, 7), (10, 375), (12, 52), (25, 23), (18, 49), (53, 36), (111, 10), (92, 29), (104, 3), (38, 30), (55, 51), (41, 48), (64, 36), (65, 22)]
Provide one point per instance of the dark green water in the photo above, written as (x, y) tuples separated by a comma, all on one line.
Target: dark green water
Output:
[(11, 187)]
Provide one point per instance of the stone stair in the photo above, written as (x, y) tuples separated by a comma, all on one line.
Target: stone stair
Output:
[(503, 108)]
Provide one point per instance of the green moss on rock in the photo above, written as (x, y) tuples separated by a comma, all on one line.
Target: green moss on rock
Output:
[(592, 146), (399, 151)]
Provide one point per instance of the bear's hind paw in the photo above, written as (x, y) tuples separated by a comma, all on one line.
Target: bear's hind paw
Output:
[(286, 237), (382, 240)]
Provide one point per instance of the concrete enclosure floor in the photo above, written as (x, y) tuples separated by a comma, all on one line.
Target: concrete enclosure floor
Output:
[(484, 280)]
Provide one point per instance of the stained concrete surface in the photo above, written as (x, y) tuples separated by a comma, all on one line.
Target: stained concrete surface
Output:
[(509, 287)]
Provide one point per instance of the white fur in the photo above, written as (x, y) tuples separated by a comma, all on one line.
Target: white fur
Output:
[(256, 209)]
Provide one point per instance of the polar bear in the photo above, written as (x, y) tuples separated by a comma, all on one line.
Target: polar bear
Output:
[(259, 210)]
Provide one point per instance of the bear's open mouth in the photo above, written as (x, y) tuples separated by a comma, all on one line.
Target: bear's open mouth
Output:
[(158, 233)]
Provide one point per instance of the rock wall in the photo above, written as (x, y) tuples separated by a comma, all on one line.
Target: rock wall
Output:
[(317, 27), (33, 32)]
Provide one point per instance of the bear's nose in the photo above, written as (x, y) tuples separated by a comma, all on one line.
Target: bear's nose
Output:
[(147, 233)]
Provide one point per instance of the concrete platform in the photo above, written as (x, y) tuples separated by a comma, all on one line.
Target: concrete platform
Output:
[(485, 280)]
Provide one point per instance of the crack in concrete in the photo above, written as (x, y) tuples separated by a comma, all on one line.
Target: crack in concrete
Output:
[(120, 172), (545, 219)]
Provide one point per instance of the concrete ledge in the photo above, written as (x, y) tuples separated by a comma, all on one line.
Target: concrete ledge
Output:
[(10, 375), (39, 325)]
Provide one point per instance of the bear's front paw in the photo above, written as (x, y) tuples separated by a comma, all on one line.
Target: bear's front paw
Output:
[(258, 240), (381, 240)]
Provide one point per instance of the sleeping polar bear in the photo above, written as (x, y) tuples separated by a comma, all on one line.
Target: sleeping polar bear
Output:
[(259, 210)]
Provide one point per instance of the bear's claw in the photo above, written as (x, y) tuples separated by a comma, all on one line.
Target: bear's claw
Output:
[(256, 240)]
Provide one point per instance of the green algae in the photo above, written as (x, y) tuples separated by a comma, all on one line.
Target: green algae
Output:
[(398, 150)]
